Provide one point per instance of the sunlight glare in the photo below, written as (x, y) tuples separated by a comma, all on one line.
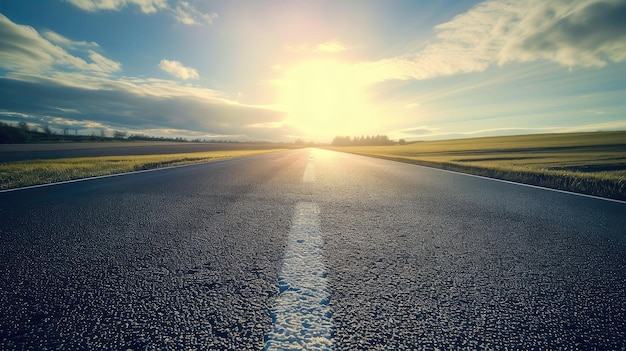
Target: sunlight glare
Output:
[(325, 99)]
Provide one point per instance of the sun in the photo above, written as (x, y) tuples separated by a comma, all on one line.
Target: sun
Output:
[(325, 98)]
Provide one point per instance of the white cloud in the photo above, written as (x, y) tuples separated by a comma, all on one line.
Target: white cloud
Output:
[(64, 42), (268, 125), (104, 64), (330, 46), (177, 69), (146, 6), (23, 49), (189, 15), (183, 11), (416, 131), (43, 81), (585, 33), (135, 104)]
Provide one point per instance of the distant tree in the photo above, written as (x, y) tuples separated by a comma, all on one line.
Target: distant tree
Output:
[(119, 134), (47, 130), (10, 134), (378, 140), (23, 126), (342, 141), (402, 142)]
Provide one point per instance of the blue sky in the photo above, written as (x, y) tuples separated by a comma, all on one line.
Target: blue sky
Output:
[(289, 69)]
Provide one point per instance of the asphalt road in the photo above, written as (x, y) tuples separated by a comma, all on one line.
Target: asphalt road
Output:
[(400, 257), (22, 152)]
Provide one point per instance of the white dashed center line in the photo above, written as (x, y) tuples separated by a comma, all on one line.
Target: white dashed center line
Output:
[(309, 171), (302, 317), (301, 314)]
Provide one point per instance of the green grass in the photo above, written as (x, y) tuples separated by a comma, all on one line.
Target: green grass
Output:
[(25, 173), (590, 163)]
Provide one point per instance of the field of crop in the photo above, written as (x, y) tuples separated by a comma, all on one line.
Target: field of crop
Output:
[(590, 163), (32, 172)]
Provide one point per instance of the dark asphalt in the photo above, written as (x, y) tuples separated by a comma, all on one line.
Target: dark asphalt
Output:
[(22, 152), (417, 258)]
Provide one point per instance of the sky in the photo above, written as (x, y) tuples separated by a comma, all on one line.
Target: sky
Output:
[(292, 69)]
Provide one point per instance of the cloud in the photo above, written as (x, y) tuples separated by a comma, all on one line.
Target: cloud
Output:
[(586, 33), (104, 64), (66, 43), (591, 35), (45, 84), (146, 6), (177, 69), (23, 49), (183, 11), (330, 46), (416, 131), (187, 14), (134, 105)]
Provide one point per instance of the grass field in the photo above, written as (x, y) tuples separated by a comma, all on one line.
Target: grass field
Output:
[(33, 172), (590, 163)]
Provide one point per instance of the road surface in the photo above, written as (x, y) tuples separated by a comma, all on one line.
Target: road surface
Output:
[(310, 247), (22, 152)]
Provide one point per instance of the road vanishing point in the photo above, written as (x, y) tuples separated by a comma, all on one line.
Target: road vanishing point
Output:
[(309, 249)]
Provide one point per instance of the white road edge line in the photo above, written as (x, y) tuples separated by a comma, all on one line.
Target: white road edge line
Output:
[(505, 181), (302, 317), (528, 185)]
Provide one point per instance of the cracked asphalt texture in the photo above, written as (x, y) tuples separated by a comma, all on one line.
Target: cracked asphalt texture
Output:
[(417, 258)]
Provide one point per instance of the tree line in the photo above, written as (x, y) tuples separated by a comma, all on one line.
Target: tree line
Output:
[(23, 133), (374, 140)]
